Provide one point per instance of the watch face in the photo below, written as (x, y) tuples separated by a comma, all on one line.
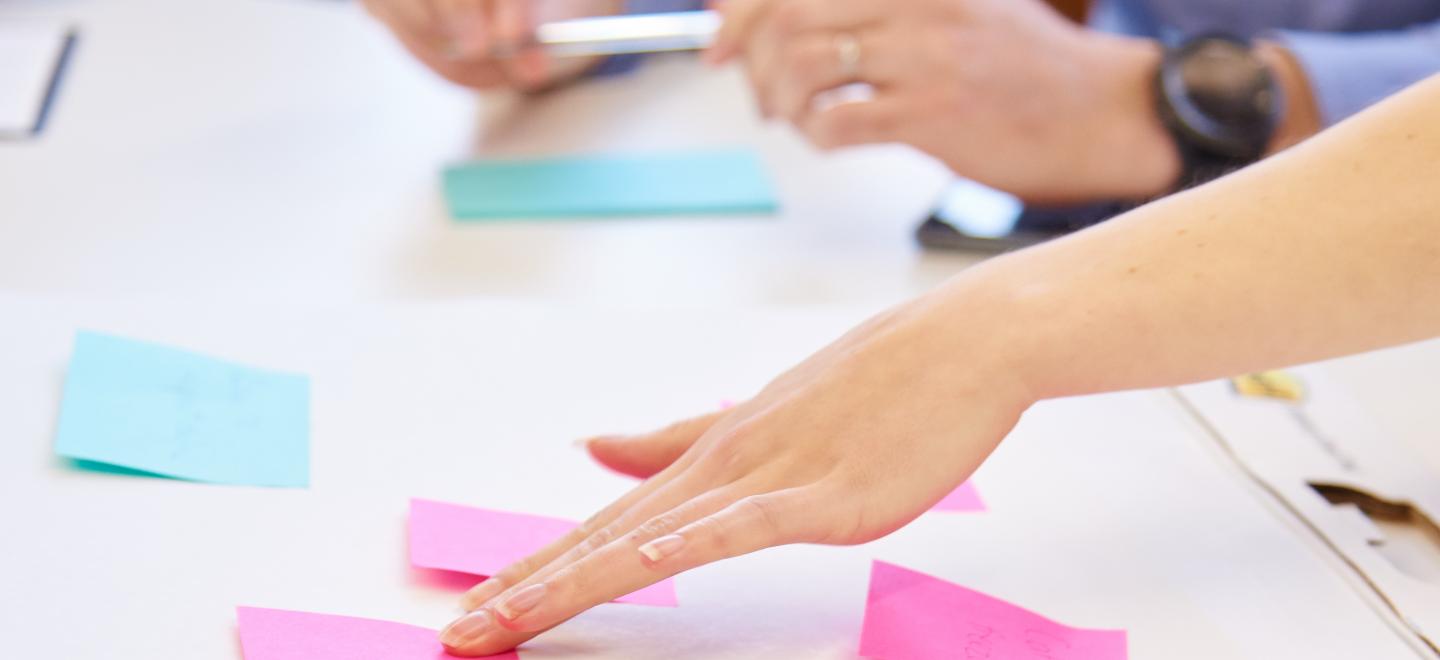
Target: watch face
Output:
[(1224, 95), (1227, 82)]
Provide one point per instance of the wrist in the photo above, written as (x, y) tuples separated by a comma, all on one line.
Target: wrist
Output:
[(1134, 155), (977, 317), (1025, 318)]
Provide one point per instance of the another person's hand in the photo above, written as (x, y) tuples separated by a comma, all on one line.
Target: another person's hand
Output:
[(1006, 92), (847, 447), (460, 39)]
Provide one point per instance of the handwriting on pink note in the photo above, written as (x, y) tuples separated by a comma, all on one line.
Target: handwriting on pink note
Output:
[(964, 498), (267, 634), (912, 616), (481, 542)]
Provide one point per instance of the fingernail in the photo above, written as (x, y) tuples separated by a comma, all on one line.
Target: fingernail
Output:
[(523, 601), (467, 628), (481, 594), (583, 443), (662, 547)]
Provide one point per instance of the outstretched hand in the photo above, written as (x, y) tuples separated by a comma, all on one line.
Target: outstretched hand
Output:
[(847, 447)]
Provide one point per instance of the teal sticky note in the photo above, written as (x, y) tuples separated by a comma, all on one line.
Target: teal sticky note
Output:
[(712, 182), (170, 412)]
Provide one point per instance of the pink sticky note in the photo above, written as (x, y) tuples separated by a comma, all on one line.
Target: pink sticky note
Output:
[(267, 634), (912, 616), (451, 537), (963, 498)]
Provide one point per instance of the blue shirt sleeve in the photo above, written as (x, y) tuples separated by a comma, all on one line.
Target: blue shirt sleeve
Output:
[(1349, 71)]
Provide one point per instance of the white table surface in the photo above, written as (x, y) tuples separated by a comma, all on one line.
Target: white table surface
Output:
[(255, 150), (215, 152), (262, 148), (1112, 511)]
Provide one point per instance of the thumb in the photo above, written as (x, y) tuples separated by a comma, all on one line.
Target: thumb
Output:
[(643, 455)]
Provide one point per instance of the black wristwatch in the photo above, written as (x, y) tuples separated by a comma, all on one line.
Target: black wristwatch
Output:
[(1220, 102)]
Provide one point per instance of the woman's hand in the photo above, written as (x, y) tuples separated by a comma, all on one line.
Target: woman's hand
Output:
[(464, 40), (847, 447), (1006, 92), (871, 431)]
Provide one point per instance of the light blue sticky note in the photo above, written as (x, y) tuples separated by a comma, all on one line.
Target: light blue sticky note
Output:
[(710, 182), (175, 413)]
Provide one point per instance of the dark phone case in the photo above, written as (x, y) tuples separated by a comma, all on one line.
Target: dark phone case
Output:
[(1036, 225)]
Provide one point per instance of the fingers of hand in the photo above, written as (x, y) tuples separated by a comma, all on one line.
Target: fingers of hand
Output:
[(748, 524), (644, 455), (461, 30), (880, 119), (512, 20), (410, 20), (738, 21), (419, 27), (530, 69), (744, 19), (591, 572), (478, 632), (467, 24), (799, 16), (519, 571), (605, 568), (803, 37), (814, 63), (715, 525), (475, 74)]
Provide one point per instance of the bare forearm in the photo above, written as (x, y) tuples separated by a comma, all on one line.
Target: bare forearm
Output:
[(1332, 247)]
